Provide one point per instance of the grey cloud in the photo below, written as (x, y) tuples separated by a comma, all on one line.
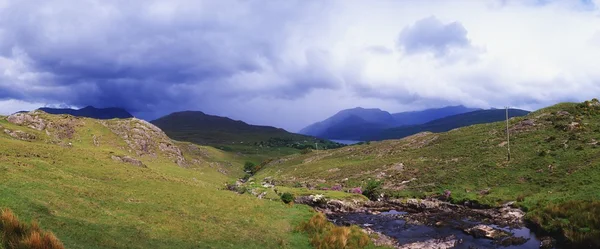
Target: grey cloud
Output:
[(431, 35), (129, 54)]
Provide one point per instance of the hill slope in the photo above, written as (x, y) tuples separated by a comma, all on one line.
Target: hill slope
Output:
[(231, 135), (424, 116), (91, 112), (554, 172), (125, 184), (447, 123)]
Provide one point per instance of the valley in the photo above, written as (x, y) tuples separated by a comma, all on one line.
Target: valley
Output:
[(124, 183)]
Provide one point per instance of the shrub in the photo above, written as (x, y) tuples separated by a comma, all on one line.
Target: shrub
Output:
[(14, 234), (356, 190), (324, 235), (336, 188), (250, 168), (305, 151), (373, 189), (287, 198)]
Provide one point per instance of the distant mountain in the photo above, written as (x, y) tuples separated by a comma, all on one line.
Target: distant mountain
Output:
[(447, 123), (346, 119), (91, 112), (353, 124), (421, 117), (200, 128)]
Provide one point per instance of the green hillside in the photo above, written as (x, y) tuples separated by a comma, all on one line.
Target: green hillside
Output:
[(236, 136), (554, 172), (446, 123), (124, 184)]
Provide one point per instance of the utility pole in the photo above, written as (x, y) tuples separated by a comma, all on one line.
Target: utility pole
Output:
[(507, 135), (317, 147)]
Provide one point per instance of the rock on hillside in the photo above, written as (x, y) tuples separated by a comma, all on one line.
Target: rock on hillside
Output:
[(143, 138)]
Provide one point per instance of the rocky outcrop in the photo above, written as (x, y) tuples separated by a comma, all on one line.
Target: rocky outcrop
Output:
[(485, 231), (145, 139), (28, 119), (129, 160), (20, 135), (325, 205)]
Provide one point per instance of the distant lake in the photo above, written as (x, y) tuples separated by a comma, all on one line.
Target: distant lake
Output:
[(346, 141)]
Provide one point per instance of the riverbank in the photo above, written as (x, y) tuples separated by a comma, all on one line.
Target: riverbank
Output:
[(431, 223)]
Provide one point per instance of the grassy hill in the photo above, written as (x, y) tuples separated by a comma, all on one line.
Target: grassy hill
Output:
[(236, 136), (124, 184), (446, 123), (554, 172)]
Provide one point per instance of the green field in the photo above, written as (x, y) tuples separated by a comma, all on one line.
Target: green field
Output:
[(92, 201)]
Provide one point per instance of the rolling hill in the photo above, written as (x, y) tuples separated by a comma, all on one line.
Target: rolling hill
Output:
[(91, 112), (122, 183), (553, 173), (446, 124), (231, 135)]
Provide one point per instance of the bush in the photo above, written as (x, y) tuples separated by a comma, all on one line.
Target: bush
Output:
[(250, 168), (373, 189), (14, 234), (305, 151), (324, 235), (356, 190), (287, 198)]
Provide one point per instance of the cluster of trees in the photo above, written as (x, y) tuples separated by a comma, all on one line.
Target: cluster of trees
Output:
[(299, 144)]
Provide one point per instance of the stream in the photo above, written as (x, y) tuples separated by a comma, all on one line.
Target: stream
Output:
[(400, 226)]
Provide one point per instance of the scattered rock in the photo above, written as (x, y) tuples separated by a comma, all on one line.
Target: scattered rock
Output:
[(573, 126), (547, 243), (398, 167), (333, 170), (485, 191), (485, 231), (513, 241), (563, 113), (380, 239), (130, 160), (20, 135), (443, 243)]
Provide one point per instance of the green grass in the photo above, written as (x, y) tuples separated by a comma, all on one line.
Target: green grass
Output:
[(91, 201), (551, 164)]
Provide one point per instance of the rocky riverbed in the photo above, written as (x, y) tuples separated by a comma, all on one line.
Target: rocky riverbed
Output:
[(415, 223)]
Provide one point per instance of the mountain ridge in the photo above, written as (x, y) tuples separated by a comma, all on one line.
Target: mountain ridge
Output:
[(90, 112), (335, 126)]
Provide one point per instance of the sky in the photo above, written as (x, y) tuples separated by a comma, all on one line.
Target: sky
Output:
[(292, 63)]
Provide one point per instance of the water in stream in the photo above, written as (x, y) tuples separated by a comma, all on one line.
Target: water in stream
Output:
[(392, 224)]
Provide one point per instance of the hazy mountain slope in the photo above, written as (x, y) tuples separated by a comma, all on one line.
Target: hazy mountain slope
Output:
[(554, 172), (328, 127), (345, 124), (447, 123), (125, 184), (424, 116), (91, 112)]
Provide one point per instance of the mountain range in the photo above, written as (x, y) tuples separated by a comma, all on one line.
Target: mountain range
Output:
[(375, 124), (90, 112)]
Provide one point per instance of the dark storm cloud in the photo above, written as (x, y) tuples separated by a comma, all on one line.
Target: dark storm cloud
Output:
[(431, 35), (142, 55)]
